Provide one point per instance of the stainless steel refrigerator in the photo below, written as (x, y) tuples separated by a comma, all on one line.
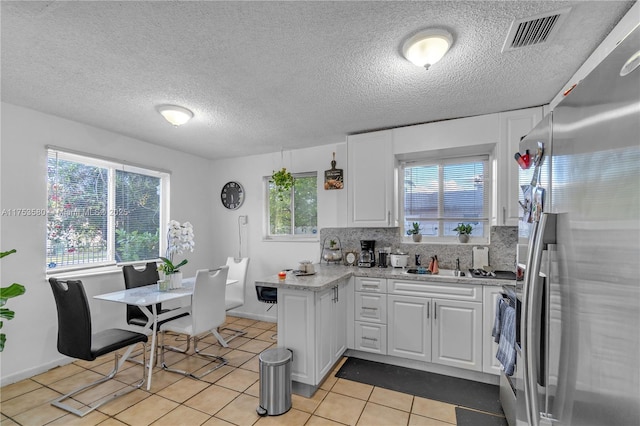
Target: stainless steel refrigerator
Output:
[(579, 354)]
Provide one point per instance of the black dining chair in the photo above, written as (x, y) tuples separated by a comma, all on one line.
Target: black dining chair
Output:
[(137, 278), (76, 340)]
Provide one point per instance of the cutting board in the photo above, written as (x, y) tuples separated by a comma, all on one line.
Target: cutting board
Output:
[(480, 257)]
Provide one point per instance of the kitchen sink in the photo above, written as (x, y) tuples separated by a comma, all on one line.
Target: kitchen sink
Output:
[(472, 273), (443, 272)]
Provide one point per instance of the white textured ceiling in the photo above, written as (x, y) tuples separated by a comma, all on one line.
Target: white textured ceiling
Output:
[(266, 76)]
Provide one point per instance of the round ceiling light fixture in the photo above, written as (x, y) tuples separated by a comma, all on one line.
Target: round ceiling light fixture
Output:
[(427, 47), (174, 114)]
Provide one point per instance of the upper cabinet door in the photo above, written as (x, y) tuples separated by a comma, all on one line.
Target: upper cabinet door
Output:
[(513, 126), (371, 180)]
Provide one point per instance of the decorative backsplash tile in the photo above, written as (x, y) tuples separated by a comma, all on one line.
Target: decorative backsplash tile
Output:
[(502, 249)]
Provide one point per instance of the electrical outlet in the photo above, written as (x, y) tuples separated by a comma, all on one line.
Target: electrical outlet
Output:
[(243, 220)]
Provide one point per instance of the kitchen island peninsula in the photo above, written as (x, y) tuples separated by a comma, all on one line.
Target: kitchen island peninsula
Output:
[(312, 321)]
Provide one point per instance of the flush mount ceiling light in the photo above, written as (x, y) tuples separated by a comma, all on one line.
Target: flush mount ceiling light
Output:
[(174, 114), (427, 47)]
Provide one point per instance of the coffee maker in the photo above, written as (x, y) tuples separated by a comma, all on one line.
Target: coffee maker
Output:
[(367, 254)]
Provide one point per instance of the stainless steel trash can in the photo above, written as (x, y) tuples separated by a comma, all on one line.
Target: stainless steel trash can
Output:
[(275, 381)]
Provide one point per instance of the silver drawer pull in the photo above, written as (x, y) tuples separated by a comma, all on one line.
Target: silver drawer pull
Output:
[(371, 285), (368, 307), (373, 339)]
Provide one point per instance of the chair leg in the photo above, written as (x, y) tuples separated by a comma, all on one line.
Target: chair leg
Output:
[(222, 361), (129, 388), (236, 333), (224, 343)]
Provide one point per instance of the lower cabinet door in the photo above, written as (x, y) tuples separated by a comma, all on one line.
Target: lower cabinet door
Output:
[(409, 327), (371, 337), (457, 334)]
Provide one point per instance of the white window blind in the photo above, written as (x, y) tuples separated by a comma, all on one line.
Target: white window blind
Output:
[(101, 212), (441, 194)]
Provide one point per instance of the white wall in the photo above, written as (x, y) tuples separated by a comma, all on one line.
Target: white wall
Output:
[(32, 334), (269, 257)]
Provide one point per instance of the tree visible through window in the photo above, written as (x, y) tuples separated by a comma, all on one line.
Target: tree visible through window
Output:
[(439, 195), (294, 213), (99, 212)]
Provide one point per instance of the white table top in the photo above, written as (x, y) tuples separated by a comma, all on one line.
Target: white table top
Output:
[(149, 294)]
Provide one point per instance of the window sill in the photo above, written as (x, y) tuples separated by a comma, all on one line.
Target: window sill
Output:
[(81, 273), (453, 241), (313, 239)]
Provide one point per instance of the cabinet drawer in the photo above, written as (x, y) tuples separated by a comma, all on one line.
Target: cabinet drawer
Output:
[(375, 285), (439, 290), (371, 337), (371, 307)]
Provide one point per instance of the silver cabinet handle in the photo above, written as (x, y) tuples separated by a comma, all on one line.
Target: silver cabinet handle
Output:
[(370, 307), (435, 310), (373, 339), (371, 285), (504, 215), (428, 313)]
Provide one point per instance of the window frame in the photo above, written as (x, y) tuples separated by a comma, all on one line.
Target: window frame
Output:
[(112, 165), (443, 161), (266, 234)]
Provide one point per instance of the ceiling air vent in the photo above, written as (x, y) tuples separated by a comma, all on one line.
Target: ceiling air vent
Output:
[(534, 31)]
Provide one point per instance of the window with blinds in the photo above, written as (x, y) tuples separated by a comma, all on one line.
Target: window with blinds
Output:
[(441, 194), (101, 212)]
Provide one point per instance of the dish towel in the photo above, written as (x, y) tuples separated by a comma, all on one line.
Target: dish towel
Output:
[(497, 321), (507, 346)]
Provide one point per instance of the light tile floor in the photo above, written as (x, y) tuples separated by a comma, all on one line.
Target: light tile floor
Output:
[(227, 396)]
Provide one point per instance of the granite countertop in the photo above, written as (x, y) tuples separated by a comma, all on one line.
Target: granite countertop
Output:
[(327, 276)]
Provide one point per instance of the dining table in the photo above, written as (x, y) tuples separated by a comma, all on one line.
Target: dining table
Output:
[(148, 296)]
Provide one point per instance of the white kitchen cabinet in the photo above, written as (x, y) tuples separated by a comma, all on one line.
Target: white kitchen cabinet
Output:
[(490, 364), (513, 126), (436, 322), (312, 325), (409, 327), (457, 333), (371, 285), (371, 180), (331, 315), (371, 337), (370, 314)]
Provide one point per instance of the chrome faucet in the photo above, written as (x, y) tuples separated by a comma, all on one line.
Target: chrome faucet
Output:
[(457, 272)]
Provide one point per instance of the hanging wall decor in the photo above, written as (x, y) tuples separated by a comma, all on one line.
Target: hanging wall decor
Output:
[(333, 179)]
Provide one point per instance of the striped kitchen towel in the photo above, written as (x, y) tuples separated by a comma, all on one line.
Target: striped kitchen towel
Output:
[(507, 347)]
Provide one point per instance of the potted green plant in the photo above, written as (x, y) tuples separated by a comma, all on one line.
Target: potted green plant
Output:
[(463, 231), (283, 181), (14, 290), (415, 232)]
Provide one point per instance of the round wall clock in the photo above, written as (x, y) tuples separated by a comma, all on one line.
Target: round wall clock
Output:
[(232, 195)]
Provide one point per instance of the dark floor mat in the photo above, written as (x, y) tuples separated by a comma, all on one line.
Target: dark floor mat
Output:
[(479, 396), (466, 417)]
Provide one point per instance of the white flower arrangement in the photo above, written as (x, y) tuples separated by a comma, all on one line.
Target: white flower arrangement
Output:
[(179, 239)]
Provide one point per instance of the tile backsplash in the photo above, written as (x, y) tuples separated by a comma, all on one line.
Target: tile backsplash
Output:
[(502, 247)]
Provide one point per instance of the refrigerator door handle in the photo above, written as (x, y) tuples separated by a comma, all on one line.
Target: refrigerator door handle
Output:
[(545, 234)]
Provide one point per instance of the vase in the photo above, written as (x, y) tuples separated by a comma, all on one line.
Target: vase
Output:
[(175, 280), (463, 238), (417, 238)]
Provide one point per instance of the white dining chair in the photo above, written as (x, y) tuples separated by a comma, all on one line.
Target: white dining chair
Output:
[(207, 314), (235, 292)]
